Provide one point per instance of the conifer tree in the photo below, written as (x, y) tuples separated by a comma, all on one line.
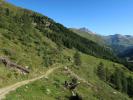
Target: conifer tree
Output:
[(124, 83), (117, 79), (130, 86), (101, 71), (77, 59)]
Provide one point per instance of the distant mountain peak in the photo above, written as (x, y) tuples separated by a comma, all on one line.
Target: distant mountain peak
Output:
[(84, 29), (118, 35)]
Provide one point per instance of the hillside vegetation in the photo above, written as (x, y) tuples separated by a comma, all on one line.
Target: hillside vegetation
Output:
[(52, 88), (26, 22), (121, 45), (37, 42)]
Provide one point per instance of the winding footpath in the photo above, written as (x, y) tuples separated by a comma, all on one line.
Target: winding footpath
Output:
[(6, 90)]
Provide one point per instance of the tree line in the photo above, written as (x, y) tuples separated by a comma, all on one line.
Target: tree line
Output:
[(118, 79)]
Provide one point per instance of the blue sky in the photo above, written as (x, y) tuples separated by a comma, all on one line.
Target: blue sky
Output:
[(102, 16)]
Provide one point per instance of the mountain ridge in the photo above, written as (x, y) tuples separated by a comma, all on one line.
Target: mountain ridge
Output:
[(117, 42)]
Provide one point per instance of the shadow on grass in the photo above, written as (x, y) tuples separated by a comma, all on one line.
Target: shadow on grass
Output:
[(76, 97)]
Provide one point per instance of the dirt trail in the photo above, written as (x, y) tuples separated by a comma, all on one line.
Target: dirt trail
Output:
[(6, 90), (13, 87)]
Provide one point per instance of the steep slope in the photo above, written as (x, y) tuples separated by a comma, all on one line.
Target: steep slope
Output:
[(26, 22), (53, 88), (23, 44), (37, 42)]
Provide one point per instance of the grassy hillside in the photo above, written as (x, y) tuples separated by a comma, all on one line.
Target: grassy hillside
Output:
[(53, 88), (24, 46), (36, 56), (26, 22), (31, 39)]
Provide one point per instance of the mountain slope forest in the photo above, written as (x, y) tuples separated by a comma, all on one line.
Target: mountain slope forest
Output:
[(119, 44), (128, 53), (31, 41)]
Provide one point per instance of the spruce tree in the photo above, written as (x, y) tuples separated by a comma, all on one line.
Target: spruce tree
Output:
[(77, 59), (101, 71), (108, 74), (117, 79), (130, 86), (124, 83)]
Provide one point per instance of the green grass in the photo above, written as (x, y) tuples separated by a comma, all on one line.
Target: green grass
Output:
[(32, 47), (28, 56), (100, 91), (25, 56)]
